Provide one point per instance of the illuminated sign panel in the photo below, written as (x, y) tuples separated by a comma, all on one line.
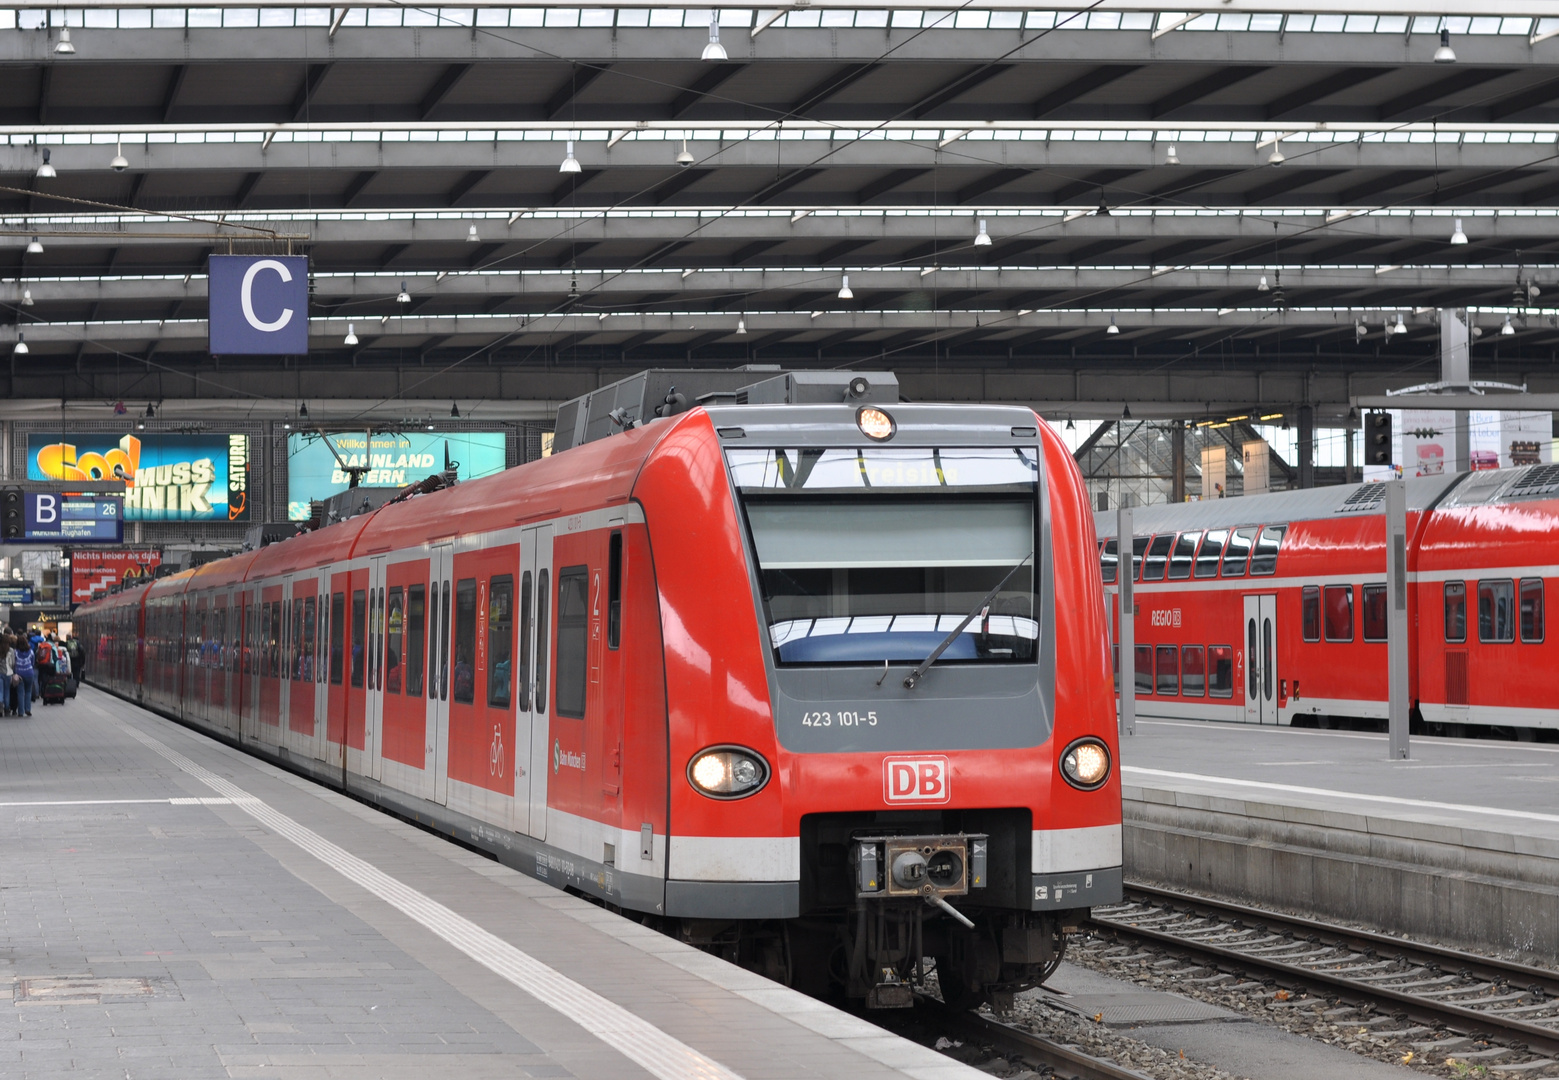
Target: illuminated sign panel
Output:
[(167, 477), (92, 572), (74, 517), (391, 459)]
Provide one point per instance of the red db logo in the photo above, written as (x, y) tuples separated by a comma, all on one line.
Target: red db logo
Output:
[(915, 779)]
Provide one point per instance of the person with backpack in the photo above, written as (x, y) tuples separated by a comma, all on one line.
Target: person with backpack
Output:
[(24, 676), (78, 656)]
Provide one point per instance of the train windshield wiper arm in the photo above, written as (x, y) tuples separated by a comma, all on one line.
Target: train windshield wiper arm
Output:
[(925, 665)]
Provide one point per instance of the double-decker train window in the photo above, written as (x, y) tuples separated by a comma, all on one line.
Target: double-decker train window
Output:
[(1167, 665), (1144, 668), (1184, 552), (1339, 613), (394, 645), (1532, 610), (337, 636), (1139, 547), (573, 620), (500, 639), (1264, 557), (1238, 551), (1455, 593), (416, 637), (465, 641), (1310, 612), (1496, 610), (1109, 562), (1374, 612), (1157, 558), (1220, 671), (614, 589), (1193, 671), (1212, 549)]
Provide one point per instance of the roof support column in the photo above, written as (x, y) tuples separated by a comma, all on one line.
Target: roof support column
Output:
[(1307, 446), (1177, 449), (1456, 371)]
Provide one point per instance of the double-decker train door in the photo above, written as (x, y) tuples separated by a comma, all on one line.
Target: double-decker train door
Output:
[(532, 748), (1261, 665), (441, 565)]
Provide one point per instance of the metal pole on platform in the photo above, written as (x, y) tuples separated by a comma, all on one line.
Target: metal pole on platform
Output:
[(1126, 612), (1398, 706)]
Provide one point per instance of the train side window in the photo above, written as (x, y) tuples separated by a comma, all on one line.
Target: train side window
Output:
[(1139, 547), (1496, 598), (443, 644), (308, 639), (297, 640), (286, 642), (500, 639), (1264, 559), (416, 637), (614, 590), (1154, 561), (1310, 612), (273, 650), (465, 641), (1220, 671), (573, 616), (1115, 663), (1193, 671), (1455, 611), (1109, 562), (1167, 663), (1144, 668), (1185, 551), (1339, 613), (1374, 612), (394, 646), (337, 635), (1532, 610), (1211, 551), (1237, 552), (433, 637), (359, 637), (527, 631), (542, 628), (265, 633)]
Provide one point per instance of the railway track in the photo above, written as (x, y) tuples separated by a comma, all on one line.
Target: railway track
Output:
[(1018, 1046), (1433, 989)]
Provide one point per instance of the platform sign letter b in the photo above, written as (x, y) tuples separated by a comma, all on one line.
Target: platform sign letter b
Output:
[(259, 305)]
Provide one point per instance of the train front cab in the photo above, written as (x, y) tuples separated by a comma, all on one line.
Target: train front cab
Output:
[(832, 797)]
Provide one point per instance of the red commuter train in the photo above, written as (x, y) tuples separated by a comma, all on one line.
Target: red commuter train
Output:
[(806, 675), (1272, 608)]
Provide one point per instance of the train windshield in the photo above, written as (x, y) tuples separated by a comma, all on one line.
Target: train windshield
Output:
[(866, 556)]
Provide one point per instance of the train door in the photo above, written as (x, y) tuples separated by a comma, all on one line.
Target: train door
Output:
[(300, 662), (248, 721), (335, 694), (1261, 659), (374, 710), (218, 662), (267, 659), (532, 735), (441, 564)]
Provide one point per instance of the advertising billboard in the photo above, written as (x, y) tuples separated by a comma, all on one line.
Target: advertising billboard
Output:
[(392, 459), (92, 572), (167, 477)]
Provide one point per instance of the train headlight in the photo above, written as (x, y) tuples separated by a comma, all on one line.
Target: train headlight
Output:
[(727, 772), (1086, 764), (875, 424)]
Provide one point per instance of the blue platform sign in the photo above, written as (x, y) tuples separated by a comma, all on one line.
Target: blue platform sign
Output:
[(259, 305), (16, 594), (73, 517)]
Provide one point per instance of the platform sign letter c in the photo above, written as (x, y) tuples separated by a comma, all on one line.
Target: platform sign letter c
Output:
[(246, 296)]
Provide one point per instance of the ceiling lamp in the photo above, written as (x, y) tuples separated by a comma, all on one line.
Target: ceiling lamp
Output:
[(120, 162), (1401, 327), (1445, 54), (303, 411), (351, 335), (1104, 210), (65, 48), (34, 248), (21, 345), (1069, 425), (454, 410), (1126, 412), (570, 162), (982, 238), (844, 289), (1113, 329), (1507, 329), (1171, 158), (1276, 157), (471, 236), (46, 171), (714, 52), (1458, 237), (685, 158), (403, 297), (1262, 286), (741, 324), (26, 298), (1359, 330), (150, 413)]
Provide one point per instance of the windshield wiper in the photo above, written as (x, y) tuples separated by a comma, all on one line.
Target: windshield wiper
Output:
[(925, 665)]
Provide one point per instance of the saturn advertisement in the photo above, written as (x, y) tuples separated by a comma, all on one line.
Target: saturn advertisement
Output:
[(201, 477)]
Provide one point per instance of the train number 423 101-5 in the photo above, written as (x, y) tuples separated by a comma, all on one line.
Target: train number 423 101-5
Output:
[(839, 719)]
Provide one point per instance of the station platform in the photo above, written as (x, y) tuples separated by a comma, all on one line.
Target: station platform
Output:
[(173, 908), (1459, 843)]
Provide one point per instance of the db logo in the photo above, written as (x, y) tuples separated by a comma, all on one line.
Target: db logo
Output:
[(915, 779)]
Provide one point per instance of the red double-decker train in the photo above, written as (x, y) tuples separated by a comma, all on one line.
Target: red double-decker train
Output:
[(1272, 608), (806, 675)]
